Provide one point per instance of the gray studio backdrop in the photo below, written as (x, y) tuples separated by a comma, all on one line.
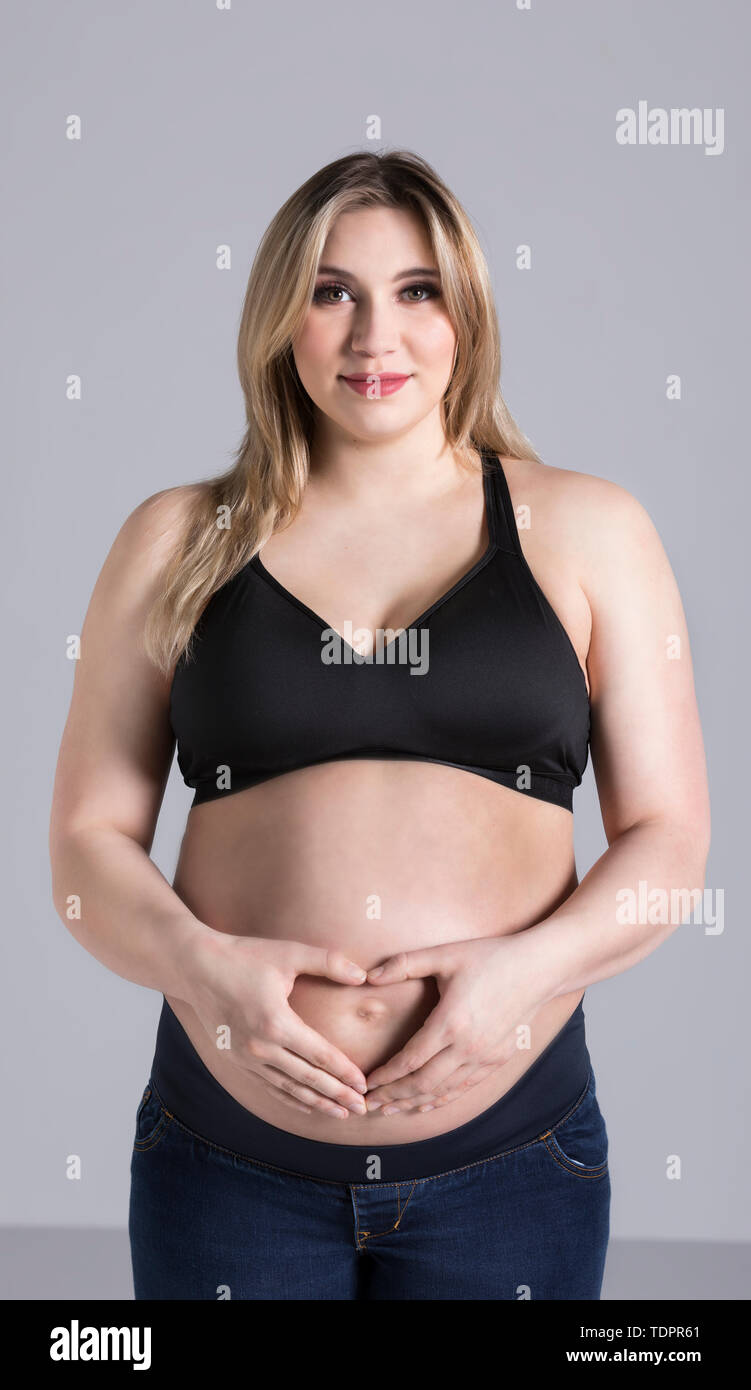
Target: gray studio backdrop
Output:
[(197, 121)]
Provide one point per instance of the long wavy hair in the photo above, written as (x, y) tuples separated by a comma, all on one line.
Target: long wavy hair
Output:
[(232, 515)]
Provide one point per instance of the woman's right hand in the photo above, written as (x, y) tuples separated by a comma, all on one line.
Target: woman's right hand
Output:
[(243, 983)]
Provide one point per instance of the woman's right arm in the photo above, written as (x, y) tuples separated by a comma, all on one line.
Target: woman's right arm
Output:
[(112, 769)]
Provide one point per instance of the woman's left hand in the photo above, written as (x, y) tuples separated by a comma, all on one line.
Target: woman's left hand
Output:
[(488, 993)]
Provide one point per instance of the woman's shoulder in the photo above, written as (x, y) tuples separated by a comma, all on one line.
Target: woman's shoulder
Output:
[(151, 531), (166, 511), (568, 487), (591, 513), (134, 566), (603, 536)]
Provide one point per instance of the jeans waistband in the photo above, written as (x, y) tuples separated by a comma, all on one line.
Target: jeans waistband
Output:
[(536, 1102)]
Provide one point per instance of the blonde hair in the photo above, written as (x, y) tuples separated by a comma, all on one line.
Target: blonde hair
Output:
[(262, 490)]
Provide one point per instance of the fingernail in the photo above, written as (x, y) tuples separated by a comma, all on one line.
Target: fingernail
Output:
[(355, 972), (391, 1110), (374, 1104), (378, 971), (425, 1108)]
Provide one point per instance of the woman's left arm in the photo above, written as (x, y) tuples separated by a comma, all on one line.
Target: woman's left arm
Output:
[(648, 758)]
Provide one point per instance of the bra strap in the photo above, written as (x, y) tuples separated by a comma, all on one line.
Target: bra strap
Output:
[(502, 522)]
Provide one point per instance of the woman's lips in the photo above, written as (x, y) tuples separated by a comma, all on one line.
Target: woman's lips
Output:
[(375, 384)]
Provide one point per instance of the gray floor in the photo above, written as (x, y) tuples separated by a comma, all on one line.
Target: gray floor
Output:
[(61, 1263)]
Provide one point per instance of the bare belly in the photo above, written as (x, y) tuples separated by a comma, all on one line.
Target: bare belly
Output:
[(372, 858)]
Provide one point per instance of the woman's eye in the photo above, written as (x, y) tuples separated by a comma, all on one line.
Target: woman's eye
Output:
[(428, 289), (322, 290), (319, 297)]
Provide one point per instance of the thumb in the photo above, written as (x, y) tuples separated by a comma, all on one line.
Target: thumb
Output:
[(334, 965), (411, 965)]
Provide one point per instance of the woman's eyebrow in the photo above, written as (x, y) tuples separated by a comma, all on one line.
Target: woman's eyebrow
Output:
[(402, 274)]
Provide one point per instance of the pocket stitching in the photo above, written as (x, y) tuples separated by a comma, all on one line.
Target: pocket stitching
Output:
[(580, 1170), (150, 1140)]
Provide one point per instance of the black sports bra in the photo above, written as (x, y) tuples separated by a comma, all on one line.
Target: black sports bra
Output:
[(485, 680)]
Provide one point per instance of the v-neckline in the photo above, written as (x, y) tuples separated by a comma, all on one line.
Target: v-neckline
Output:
[(257, 564)]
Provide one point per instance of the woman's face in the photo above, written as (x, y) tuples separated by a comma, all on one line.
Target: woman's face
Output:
[(377, 314)]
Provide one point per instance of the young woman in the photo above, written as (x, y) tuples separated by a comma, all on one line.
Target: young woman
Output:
[(384, 642)]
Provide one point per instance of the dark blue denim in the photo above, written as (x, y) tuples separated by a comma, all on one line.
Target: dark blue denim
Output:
[(531, 1222)]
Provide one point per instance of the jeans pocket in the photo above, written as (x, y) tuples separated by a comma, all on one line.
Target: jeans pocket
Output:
[(579, 1142), (152, 1120)]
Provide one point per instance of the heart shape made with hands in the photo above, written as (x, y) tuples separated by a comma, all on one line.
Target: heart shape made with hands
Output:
[(373, 1056)]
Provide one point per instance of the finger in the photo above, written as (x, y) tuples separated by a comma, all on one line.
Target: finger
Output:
[(469, 1079), (292, 1033), (424, 1103), (454, 1083), (475, 1067), (334, 965), (279, 1095), (412, 965), (422, 1082), (283, 1084), (313, 1077), (423, 1045), (453, 1079), (437, 1079)]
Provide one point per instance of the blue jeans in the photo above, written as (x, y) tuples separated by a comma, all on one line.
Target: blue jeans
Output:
[(530, 1222)]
